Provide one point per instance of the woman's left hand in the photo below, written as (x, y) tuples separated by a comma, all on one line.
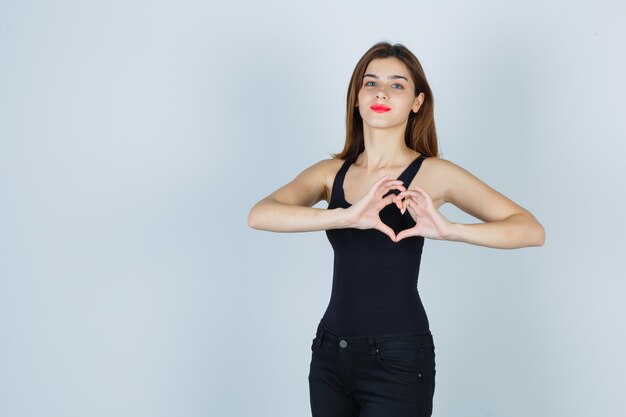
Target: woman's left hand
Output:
[(429, 222)]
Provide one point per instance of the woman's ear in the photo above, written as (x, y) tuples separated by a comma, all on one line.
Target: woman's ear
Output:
[(418, 102)]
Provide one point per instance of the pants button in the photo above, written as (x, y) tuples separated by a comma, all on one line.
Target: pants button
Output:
[(343, 343)]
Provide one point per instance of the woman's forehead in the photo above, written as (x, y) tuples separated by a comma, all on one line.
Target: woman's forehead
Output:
[(387, 67)]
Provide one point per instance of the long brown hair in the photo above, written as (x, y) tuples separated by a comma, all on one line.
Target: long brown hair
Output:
[(420, 134)]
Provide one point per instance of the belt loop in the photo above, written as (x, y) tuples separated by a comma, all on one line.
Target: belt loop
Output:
[(430, 336)]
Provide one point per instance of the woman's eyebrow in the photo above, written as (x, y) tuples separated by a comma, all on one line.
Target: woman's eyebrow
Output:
[(391, 77)]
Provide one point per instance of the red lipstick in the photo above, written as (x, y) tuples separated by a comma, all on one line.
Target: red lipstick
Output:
[(380, 108)]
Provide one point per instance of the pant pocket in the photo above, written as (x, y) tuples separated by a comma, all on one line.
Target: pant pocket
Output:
[(402, 358)]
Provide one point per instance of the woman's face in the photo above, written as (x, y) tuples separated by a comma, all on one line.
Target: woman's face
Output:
[(387, 82)]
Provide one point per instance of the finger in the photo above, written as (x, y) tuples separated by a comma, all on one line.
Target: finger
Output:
[(400, 196), (394, 199), (415, 197), (382, 180), (403, 203), (389, 199), (405, 233), (401, 199), (412, 205), (399, 203), (422, 192), (410, 193), (386, 187)]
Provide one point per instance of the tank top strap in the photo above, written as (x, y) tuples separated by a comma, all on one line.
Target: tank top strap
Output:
[(408, 175), (336, 193)]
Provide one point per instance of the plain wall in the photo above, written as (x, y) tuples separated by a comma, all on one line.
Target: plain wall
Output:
[(136, 136)]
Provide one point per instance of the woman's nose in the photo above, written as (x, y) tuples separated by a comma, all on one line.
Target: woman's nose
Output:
[(381, 93)]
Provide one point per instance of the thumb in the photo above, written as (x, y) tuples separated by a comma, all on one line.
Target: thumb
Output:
[(386, 230), (403, 234)]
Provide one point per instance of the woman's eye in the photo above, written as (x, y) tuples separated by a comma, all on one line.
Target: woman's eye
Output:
[(368, 84)]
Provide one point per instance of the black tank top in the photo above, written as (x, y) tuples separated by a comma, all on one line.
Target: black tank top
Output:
[(374, 289)]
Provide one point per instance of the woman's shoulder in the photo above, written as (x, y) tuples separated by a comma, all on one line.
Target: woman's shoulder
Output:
[(440, 171), (438, 165), (329, 166), (324, 168), (327, 169), (444, 167)]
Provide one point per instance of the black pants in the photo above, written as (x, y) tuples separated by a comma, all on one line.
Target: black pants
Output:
[(372, 376)]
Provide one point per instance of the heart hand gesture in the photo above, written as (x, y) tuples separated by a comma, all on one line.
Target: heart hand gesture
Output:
[(429, 222), (364, 213)]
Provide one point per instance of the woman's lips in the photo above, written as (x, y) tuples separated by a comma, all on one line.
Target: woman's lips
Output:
[(380, 108)]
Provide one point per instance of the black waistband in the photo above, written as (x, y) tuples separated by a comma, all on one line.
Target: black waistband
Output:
[(370, 342)]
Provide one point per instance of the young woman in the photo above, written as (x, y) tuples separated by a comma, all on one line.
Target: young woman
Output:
[(373, 353)]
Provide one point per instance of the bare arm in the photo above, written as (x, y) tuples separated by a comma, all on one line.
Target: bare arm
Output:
[(516, 231), (289, 209), (506, 225)]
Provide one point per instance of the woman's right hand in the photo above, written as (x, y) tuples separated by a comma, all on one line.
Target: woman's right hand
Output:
[(364, 214)]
